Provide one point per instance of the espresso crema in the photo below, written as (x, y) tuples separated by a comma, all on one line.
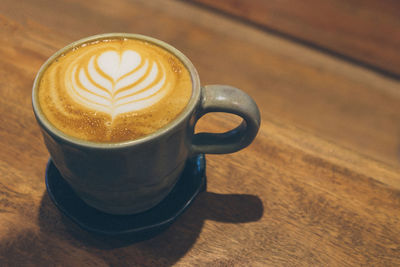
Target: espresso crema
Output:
[(114, 90)]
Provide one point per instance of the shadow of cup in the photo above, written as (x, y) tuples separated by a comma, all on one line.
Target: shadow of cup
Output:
[(170, 245)]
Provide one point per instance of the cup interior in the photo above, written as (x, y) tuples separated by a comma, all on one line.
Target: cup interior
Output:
[(56, 133)]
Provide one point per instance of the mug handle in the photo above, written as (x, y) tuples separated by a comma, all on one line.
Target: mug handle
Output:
[(225, 98)]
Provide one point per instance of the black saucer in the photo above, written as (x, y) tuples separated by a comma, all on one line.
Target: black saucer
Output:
[(137, 226)]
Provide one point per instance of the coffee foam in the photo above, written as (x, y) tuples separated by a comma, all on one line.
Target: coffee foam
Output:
[(114, 90)]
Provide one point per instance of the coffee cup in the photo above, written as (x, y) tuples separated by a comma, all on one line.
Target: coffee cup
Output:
[(118, 111)]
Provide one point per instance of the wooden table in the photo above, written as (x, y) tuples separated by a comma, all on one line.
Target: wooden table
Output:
[(320, 185)]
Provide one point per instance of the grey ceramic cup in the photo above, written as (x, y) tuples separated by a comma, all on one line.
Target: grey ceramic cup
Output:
[(133, 176)]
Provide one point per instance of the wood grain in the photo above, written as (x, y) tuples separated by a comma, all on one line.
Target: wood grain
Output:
[(319, 186), (364, 31)]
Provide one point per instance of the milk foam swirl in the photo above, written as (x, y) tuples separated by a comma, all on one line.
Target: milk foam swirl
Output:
[(114, 90), (116, 82)]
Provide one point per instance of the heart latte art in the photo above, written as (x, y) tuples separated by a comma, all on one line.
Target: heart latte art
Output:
[(114, 90), (117, 82)]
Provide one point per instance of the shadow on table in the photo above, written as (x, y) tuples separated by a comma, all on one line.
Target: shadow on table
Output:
[(165, 248)]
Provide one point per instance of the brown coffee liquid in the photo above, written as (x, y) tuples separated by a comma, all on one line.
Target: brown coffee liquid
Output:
[(114, 90)]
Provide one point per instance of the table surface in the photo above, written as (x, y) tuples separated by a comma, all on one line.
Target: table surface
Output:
[(320, 185)]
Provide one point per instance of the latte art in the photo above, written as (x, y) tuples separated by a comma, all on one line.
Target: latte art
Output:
[(117, 82), (114, 90)]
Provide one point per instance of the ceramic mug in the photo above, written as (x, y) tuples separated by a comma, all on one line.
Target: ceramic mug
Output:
[(134, 176)]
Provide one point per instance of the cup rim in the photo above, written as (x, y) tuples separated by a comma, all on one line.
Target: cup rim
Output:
[(52, 130)]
